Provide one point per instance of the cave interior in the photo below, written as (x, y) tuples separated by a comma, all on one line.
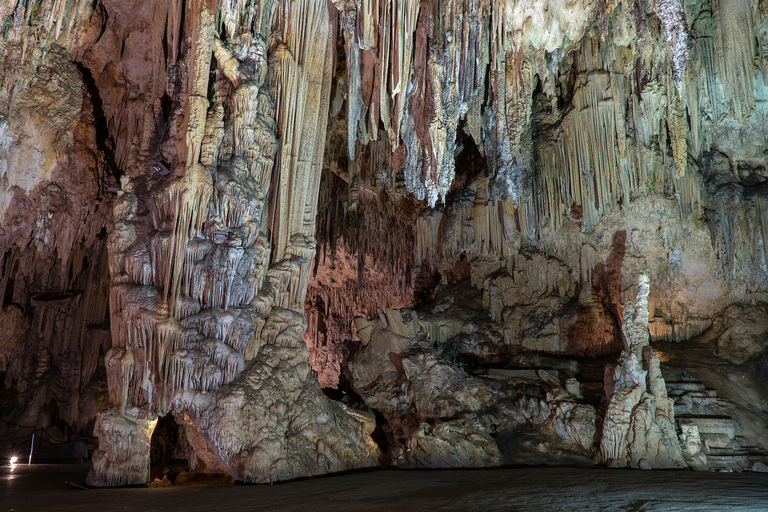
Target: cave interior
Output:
[(262, 240)]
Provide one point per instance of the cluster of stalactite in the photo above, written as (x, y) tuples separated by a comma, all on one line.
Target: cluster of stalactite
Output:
[(364, 261), (617, 101), (57, 324), (419, 68), (576, 112)]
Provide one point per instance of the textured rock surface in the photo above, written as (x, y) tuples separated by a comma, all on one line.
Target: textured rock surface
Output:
[(210, 236), (438, 415), (54, 214), (528, 199), (201, 307), (639, 426)]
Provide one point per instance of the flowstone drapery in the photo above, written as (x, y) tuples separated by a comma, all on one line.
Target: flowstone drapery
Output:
[(208, 277)]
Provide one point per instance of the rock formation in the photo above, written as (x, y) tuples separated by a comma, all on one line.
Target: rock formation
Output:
[(439, 415), (639, 425), (491, 231)]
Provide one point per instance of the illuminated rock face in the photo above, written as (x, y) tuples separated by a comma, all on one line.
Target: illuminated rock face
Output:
[(439, 415), (488, 181), (639, 425), (203, 305)]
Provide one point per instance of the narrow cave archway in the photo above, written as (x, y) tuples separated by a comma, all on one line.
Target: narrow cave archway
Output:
[(166, 452)]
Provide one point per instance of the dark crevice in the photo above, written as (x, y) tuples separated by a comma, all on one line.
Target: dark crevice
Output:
[(103, 140), (167, 456), (347, 395), (180, 38)]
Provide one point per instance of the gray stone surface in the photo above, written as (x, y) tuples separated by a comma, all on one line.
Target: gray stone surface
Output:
[(43, 488)]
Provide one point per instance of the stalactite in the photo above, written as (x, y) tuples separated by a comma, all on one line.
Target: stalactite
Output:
[(672, 16), (476, 225), (385, 261), (735, 55), (582, 167), (301, 85), (192, 195)]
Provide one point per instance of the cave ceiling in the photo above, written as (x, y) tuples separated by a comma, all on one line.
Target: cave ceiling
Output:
[(323, 235)]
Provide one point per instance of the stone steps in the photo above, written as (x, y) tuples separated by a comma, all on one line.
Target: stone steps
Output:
[(721, 442), (686, 405), (723, 425), (700, 410), (728, 462), (749, 451), (684, 386)]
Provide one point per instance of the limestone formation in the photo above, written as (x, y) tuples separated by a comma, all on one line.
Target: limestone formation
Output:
[(479, 232), (439, 415), (639, 427), (196, 328)]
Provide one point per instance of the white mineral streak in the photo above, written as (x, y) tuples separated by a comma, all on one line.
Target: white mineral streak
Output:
[(203, 43), (402, 22), (355, 107), (639, 425), (635, 324), (672, 16)]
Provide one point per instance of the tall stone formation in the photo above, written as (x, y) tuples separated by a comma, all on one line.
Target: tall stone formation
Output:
[(639, 425), (485, 227), (207, 279)]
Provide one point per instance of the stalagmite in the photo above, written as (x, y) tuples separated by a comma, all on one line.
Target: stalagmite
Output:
[(639, 427), (451, 211)]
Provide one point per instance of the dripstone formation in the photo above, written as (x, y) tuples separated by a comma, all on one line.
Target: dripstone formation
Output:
[(286, 238)]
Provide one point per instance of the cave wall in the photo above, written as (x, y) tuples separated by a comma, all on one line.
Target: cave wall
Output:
[(614, 143), (593, 122), (56, 212), (608, 140), (197, 198)]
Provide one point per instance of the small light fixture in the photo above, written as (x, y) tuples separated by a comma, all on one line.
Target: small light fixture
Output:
[(13, 460), (161, 169)]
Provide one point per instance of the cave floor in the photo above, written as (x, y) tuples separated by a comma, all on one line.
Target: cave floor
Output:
[(44, 487)]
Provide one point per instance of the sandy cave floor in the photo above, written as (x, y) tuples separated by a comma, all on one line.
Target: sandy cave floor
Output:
[(44, 487)]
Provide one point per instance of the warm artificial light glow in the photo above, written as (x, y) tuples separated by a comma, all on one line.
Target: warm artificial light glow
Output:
[(13, 460)]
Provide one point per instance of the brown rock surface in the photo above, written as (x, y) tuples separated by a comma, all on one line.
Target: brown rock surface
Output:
[(493, 183)]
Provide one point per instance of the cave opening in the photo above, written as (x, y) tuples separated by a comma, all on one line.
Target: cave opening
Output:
[(167, 455)]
